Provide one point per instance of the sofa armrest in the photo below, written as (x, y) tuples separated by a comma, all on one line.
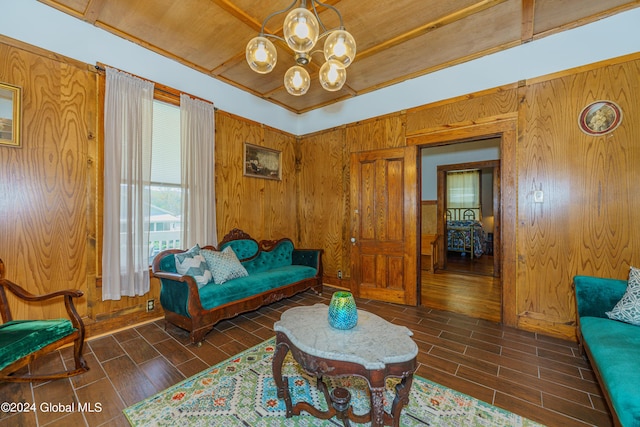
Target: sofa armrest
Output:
[(178, 292), (597, 295), (308, 257)]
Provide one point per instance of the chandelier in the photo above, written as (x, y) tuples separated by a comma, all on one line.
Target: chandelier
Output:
[(302, 28)]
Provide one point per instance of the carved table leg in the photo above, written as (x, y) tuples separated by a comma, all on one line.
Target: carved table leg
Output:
[(377, 406), (282, 383), (401, 399)]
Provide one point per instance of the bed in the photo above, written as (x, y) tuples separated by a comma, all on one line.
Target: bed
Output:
[(464, 231)]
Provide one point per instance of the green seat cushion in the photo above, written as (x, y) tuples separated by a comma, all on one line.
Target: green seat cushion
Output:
[(213, 295), (19, 338), (615, 346)]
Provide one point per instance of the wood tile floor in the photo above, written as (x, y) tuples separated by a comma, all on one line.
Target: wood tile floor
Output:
[(542, 378), (470, 294)]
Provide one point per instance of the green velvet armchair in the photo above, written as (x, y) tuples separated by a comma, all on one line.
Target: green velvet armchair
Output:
[(22, 341)]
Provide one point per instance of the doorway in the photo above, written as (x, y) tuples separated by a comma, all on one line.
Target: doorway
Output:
[(468, 216), (466, 277)]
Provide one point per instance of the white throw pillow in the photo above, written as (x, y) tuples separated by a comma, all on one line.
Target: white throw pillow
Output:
[(192, 263), (628, 308), (224, 265)]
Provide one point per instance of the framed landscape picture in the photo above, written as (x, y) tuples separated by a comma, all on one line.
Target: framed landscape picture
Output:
[(261, 162), (10, 115)]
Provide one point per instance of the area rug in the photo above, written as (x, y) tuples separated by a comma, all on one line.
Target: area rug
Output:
[(241, 392)]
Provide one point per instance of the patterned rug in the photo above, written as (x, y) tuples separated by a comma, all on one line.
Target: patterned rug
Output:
[(241, 392)]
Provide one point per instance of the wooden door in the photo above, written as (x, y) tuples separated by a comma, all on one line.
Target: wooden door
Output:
[(384, 230)]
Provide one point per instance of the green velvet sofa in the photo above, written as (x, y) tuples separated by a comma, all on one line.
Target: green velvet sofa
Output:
[(613, 347), (276, 270)]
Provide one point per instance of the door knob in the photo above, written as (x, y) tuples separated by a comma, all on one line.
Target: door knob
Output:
[(353, 240)]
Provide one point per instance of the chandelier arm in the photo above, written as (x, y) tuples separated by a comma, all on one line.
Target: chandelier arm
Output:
[(326, 33), (264, 23), (315, 12), (328, 6), (273, 36)]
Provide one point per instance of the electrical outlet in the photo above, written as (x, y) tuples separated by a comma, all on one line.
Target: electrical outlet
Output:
[(151, 304), (339, 274)]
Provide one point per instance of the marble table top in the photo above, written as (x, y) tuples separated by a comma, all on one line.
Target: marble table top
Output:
[(372, 343)]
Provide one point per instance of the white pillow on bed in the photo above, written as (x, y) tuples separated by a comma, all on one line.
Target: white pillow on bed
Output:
[(628, 308)]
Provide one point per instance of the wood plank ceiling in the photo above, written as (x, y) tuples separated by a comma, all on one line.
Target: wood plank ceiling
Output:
[(396, 40)]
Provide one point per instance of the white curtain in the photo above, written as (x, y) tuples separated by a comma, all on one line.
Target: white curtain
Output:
[(197, 142), (128, 124), (463, 189)]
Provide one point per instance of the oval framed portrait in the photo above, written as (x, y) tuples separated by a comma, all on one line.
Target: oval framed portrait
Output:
[(600, 117)]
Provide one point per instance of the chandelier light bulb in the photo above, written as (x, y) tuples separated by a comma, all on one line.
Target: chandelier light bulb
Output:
[(340, 46), (332, 75), (301, 30), (297, 80), (261, 55), (339, 49)]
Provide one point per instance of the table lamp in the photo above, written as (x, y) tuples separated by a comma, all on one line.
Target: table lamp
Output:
[(342, 310)]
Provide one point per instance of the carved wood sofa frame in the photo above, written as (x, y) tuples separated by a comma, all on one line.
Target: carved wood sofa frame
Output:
[(202, 321)]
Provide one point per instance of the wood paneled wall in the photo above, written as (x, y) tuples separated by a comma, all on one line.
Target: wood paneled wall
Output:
[(324, 194), (45, 211), (586, 224), (429, 216), (50, 186), (266, 209)]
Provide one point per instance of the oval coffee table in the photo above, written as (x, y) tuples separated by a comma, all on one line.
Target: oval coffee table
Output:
[(374, 350)]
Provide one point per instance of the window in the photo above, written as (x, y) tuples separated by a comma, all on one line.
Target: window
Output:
[(147, 140), (166, 196), (463, 189)]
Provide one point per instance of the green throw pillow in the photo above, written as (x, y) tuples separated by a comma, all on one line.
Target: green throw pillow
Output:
[(192, 263), (224, 265), (628, 308)]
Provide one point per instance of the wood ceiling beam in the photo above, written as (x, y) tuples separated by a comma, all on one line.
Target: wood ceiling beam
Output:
[(528, 17), (231, 8), (90, 14), (93, 10), (430, 26), (62, 8)]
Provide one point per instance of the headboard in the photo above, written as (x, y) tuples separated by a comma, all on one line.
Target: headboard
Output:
[(461, 214)]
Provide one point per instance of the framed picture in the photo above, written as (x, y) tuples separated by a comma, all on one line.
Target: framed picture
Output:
[(261, 162), (600, 117), (10, 109)]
